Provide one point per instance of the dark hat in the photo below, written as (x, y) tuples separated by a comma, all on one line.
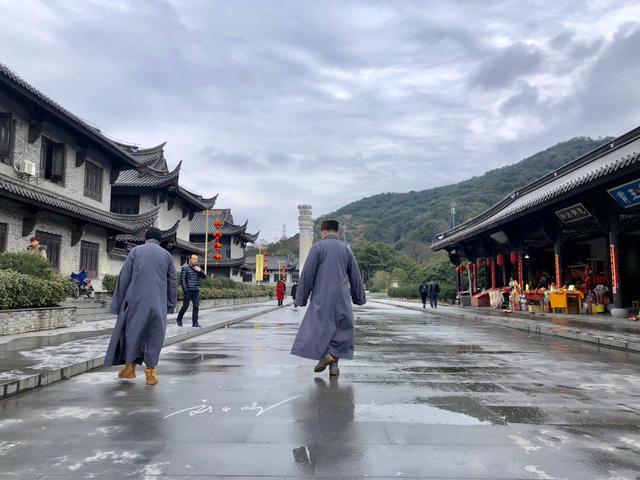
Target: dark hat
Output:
[(331, 225), (153, 234)]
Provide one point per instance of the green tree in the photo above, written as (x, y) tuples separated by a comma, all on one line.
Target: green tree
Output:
[(380, 281)]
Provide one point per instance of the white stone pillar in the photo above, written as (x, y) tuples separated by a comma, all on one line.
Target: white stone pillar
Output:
[(305, 222)]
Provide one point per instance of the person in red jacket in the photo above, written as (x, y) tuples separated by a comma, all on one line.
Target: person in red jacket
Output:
[(281, 290)]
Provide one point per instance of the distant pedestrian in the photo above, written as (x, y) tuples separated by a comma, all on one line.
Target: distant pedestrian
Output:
[(424, 292), (294, 290), (190, 276), (35, 248), (281, 291), (434, 291), (144, 294), (332, 278)]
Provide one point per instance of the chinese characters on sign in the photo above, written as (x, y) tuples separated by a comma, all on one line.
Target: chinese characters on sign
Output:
[(574, 213), (627, 195), (259, 268), (614, 269)]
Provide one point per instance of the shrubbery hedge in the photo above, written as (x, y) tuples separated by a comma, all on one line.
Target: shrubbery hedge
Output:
[(18, 290), (447, 292), (109, 283), (26, 263)]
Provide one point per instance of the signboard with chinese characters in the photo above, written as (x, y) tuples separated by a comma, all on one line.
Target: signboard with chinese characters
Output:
[(614, 269), (627, 195), (259, 268), (574, 213)]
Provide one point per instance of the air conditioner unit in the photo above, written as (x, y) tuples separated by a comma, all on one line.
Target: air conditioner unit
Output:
[(28, 167)]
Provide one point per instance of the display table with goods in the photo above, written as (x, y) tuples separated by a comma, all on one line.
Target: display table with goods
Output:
[(567, 301), (498, 297)]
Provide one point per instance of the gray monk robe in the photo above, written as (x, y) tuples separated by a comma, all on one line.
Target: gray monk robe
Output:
[(145, 292), (332, 277)]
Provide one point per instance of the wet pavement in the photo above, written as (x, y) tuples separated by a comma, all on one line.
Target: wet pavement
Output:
[(426, 397)]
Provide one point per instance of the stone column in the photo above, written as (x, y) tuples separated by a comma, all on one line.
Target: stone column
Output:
[(305, 222)]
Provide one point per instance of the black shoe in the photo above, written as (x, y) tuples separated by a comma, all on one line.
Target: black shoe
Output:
[(196, 325), (179, 323)]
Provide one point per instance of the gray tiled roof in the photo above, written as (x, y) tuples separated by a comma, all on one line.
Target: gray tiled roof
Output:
[(10, 78), (147, 177), (27, 192), (580, 172), (148, 157), (228, 227)]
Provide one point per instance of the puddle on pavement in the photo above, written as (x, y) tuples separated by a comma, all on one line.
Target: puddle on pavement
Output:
[(415, 413), (464, 405), (476, 387), (516, 414), (450, 370)]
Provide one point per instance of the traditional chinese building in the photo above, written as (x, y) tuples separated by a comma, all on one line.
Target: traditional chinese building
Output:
[(285, 267), (56, 173), (580, 225), (152, 186), (234, 241)]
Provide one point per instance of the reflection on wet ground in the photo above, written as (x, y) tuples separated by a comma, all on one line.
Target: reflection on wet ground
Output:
[(424, 398)]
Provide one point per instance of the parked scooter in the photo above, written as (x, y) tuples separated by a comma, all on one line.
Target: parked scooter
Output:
[(81, 284)]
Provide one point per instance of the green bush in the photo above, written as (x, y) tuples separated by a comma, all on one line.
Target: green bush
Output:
[(26, 263), (18, 290), (404, 292), (109, 283)]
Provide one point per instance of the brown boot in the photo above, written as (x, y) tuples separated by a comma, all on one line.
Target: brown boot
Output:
[(129, 371), (152, 376), (324, 363)]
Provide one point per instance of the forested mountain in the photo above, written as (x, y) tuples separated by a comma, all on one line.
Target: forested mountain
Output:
[(409, 221)]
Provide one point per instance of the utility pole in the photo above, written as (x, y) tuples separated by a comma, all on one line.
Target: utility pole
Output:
[(453, 214)]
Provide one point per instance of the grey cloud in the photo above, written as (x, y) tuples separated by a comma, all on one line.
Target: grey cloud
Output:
[(507, 65)]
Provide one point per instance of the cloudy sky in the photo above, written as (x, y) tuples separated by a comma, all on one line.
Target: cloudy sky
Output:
[(276, 103)]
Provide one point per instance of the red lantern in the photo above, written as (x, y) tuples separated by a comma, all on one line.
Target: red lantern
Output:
[(217, 256), (514, 257), (500, 260), (217, 235), (266, 254), (217, 223), (479, 263), (487, 262), (217, 245)]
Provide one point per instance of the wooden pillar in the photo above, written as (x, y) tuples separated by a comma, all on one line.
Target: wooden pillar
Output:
[(616, 288), (557, 250), (493, 272), (520, 268)]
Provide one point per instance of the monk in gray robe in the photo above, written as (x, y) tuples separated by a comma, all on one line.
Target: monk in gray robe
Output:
[(332, 277), (145, 293)]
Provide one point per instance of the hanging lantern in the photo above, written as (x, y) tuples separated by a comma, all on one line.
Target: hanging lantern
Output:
[(266, 254), (217, 223), (479, 263), (500, 260), (487, 262), (217, 235), (217, 256), (217, 245), (514, 257)]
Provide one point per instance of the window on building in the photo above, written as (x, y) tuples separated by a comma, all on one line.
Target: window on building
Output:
[(247, 277), (6, 136), (89, 258), (93, 181), (4, 231), (126, 204), (52, 244), (52, 160), (276, 277)]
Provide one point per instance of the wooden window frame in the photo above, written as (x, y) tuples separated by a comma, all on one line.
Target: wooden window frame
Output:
[(58, 150), (89, 258), (90, 192), (6, 154), (116, 198), (47, 240), (4, 234)]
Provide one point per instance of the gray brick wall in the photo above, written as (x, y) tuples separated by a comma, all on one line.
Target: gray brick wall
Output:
[(13, 322)]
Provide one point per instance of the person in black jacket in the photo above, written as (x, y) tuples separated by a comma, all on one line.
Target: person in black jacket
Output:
[(190, 276), (294, 290), (434, 291)]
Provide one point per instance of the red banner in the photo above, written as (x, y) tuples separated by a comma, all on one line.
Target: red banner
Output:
[(614, 269), (558, 278), (520, 273), (493, 273)]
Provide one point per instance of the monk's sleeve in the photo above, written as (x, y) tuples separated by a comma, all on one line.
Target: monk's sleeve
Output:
[(355, 279), (307, 278), (172, 287), (124, 279)]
